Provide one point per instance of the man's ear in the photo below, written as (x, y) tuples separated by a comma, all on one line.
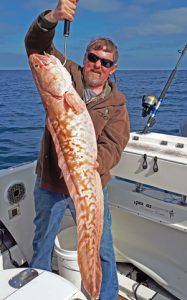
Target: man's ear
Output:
[(113, 69)]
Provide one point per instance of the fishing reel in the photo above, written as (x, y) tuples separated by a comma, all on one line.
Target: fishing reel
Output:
[(148, 104)]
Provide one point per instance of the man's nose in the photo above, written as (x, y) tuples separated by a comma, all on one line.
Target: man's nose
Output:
[(98, 63)]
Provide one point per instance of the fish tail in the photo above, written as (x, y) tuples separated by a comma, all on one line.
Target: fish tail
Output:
[(89, 238)]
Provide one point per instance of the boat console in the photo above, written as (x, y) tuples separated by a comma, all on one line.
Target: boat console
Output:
[(147, 199)]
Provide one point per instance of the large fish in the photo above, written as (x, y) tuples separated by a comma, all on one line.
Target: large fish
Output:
[(73, 134)]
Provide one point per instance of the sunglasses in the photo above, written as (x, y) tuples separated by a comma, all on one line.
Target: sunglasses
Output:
[(104, 62)]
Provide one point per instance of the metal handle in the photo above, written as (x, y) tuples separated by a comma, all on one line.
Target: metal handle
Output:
[(66, 28)]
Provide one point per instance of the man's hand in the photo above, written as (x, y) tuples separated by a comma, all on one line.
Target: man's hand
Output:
[(65, 10)]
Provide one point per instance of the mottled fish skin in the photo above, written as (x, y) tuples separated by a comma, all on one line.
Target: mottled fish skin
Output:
[(74, 137)]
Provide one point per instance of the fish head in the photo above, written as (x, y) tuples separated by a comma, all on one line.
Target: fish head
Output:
[(49, 74)]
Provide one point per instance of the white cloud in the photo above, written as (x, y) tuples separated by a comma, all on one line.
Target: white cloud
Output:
[(132, 11), (148, 1), (41, 4), (90, 5), (168, 22), (102, 6)]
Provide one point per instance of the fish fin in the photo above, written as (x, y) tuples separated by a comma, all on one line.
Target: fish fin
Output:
[(96, 165), (62, 162), (74, 102)]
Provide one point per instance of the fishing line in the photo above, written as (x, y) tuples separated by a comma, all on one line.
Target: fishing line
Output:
[(66, 35)]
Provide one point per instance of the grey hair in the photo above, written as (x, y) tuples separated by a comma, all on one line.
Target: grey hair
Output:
[(104, 44)]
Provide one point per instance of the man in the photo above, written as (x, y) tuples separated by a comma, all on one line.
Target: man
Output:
[(106, 106)]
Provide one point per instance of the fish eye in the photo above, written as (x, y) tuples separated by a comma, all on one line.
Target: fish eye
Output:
[(36, 66)]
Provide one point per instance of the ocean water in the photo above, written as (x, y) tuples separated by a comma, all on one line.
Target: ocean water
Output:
[(22, 115)]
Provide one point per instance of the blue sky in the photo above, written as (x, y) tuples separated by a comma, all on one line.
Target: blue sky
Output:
[(148, 32)]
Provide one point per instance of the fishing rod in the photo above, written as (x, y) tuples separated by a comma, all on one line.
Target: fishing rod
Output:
[(151, 103)]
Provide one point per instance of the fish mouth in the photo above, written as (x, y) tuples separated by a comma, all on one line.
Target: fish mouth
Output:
[(39, 59)]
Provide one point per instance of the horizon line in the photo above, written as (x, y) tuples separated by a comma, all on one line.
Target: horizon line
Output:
[(116, 70)]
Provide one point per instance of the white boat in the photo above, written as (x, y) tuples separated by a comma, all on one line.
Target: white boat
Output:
[(148, 202)]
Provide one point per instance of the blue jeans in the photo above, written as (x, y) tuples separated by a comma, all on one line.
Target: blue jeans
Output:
[(50, 208)]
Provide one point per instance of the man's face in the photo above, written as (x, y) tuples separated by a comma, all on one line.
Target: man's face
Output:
[(95, 73)]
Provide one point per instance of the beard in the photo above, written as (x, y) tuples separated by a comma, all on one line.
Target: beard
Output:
[(93, 79)]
